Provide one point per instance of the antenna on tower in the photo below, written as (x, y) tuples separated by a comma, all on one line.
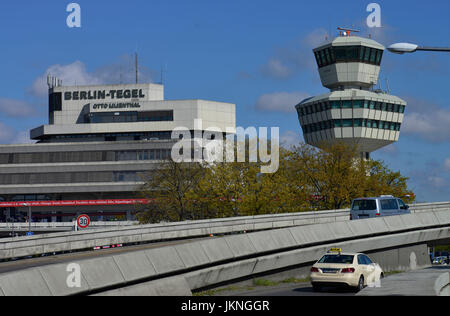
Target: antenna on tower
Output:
[(344, 31), (53, 82), (137, 69), (49, 81), (162, 74)]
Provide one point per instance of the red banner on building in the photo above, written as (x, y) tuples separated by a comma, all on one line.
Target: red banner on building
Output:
[(74, 203)]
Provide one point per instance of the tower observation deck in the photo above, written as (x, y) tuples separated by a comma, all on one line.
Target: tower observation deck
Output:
[(352, 112)]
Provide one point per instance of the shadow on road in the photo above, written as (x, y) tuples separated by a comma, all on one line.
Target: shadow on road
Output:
[(326, 291)]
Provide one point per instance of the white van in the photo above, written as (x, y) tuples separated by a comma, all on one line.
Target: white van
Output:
[(385, 205)]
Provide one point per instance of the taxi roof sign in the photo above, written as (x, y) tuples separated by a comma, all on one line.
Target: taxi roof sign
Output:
[(339, 250)]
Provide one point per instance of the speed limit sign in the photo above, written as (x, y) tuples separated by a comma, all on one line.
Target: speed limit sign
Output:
[(83, 221)]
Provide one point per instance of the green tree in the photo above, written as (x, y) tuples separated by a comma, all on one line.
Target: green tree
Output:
[(338, 175), (383, 181), (168, 189)]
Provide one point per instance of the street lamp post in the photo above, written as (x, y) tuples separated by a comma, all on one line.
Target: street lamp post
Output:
[(402, 48), (29, 216)]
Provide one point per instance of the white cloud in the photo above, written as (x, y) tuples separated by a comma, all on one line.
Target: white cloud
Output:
[(280, 101), (295, 56), (6, 134), (16, 108), (275, 69), (72, 74), (447, 164), (10, 136), (290, 138), (122, 71), (316, 37), (22, 137), (390, 149), (437, 182), (427, 121)]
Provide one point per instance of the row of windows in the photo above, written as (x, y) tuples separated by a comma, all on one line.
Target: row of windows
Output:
[(324, 125), (86, 156), (151, 154), (28, 197), (70, 177), (129, 116), (350, 104), (114, 136), (345, 54)]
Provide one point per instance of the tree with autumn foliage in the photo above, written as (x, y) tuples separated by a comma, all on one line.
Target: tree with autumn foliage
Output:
[(307, 178), (338, 175), (167, 189)]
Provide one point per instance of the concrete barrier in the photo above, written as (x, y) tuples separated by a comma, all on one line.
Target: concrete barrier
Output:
[(83, 240), (432, 281), (206, 263), (173, 286), (60, 226), (165, 260), (442, 285)]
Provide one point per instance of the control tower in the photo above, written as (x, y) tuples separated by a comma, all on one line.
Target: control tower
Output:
[(353, 111)]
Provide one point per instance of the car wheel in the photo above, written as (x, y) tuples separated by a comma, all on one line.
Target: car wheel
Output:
[(360, 284)]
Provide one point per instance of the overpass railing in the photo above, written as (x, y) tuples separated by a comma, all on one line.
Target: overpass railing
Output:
[(61, 226), (86, 240)]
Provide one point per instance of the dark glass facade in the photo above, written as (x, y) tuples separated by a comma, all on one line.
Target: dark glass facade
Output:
[(324, 125), (85, 156), (128, 116), (109, 136), (350, 104), (346, 54)]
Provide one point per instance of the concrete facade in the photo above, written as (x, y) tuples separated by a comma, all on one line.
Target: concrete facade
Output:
[(126, 112), (98, 144)]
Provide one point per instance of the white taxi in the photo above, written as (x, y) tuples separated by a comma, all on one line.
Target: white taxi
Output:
[(336, 268)]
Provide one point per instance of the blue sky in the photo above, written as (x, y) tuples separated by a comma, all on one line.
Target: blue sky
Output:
[(256, 54)]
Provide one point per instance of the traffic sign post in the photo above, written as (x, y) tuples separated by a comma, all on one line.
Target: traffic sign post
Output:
[(83, 221)]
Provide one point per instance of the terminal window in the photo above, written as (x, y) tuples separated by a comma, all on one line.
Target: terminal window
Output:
[(129, 116)]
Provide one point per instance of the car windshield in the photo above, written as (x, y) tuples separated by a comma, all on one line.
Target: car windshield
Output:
[(364, 205), (344, 259)]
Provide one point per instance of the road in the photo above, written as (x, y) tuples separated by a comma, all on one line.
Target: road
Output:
[(411, 283), (283, 289), (11, 266)]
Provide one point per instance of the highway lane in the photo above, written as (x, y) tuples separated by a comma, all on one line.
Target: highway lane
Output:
[(11, 266), (289, 289)]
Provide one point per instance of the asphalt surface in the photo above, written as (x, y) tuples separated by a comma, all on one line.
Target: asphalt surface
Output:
[(11, 266), (296, 289), (412, 283)]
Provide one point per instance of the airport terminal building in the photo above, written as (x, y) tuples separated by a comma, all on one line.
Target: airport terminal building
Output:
[(98, 142)]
